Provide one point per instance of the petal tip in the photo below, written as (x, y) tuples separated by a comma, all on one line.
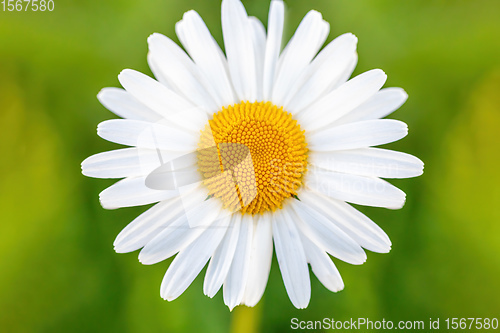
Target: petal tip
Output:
[(314, 12), (351, 36), (168, 298), (125, 71), (189, 14), (143, 259), (380, 72), (101, 93), (154, 38), (118, 249)]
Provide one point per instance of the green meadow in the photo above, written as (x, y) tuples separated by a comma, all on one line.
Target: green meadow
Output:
[(58, 269)]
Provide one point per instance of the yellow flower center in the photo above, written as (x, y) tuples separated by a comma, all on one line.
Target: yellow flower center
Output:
[(252, 156)]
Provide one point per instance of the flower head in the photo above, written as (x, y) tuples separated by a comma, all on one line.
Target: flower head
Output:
[(254, 147)]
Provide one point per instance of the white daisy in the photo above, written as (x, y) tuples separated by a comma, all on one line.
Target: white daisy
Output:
[(251, 148)]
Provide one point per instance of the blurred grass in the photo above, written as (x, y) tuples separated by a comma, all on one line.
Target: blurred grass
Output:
[(59, 271)]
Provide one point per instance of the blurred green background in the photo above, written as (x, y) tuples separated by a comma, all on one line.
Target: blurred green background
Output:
[(59, 272)]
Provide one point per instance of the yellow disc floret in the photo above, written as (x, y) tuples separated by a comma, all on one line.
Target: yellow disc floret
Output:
[(252, 156)]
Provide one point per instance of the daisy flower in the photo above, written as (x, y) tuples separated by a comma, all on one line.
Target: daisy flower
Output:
[(251, 148)]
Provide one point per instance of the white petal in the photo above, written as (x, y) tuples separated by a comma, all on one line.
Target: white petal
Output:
[(155, 65), (234, 286), (152, 93), (131, 192), (342, 100), (191, 260), (304, 45), (125, 105), (291, 259), (174, 64), (179, 234), (147, 135), (121, 163), (367, 191), (203, 49), (165, 177), (325, 71), (260, 260), (259, 43), (223, 257), (203, 220), (378, 106), (147, 225), (322, 266), (357, 135), (327, 235), (374, 162), (355, 224), (347, 72), (273, 45), (173, 108), (238, 41)]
